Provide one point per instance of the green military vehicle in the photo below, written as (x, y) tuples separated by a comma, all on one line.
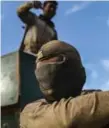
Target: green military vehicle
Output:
[(18, 86)]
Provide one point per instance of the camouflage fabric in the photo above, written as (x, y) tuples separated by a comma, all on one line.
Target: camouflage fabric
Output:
[(59, 70), (37, 31), (87, 111)]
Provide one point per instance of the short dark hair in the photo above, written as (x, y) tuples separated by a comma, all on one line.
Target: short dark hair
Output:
[(47, 1)]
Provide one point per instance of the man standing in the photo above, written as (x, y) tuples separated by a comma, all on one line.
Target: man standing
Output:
[(61, 77), (39, 29)]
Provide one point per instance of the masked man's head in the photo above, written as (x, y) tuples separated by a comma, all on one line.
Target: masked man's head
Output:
[(59, 71)]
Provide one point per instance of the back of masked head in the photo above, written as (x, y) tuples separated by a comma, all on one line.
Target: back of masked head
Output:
[(59, 71)]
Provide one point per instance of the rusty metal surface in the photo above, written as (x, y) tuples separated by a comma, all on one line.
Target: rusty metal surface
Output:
[(9, 86)]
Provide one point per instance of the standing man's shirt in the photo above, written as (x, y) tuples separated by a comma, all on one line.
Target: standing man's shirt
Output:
[(39, 30)]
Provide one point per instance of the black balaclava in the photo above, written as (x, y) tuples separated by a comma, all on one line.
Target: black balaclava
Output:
[(59, 71)]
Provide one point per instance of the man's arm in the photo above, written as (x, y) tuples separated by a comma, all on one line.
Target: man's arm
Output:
[(91, 109), (25, 15), (87, 111)]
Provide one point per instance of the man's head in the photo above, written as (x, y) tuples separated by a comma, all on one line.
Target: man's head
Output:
[(49, 8), (59, 70)]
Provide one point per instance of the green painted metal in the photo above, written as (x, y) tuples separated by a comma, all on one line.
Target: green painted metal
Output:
[(29, 85), (10, 121), (29, 89)]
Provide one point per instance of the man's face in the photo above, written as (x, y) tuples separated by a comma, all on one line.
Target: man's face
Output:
[(50, 10)]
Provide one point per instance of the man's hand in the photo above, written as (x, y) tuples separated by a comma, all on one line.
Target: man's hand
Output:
[(37, 4)]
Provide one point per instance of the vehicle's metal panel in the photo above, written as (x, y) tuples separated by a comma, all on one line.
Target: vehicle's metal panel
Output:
[(10, 121), (9, 87), (29, 86)]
